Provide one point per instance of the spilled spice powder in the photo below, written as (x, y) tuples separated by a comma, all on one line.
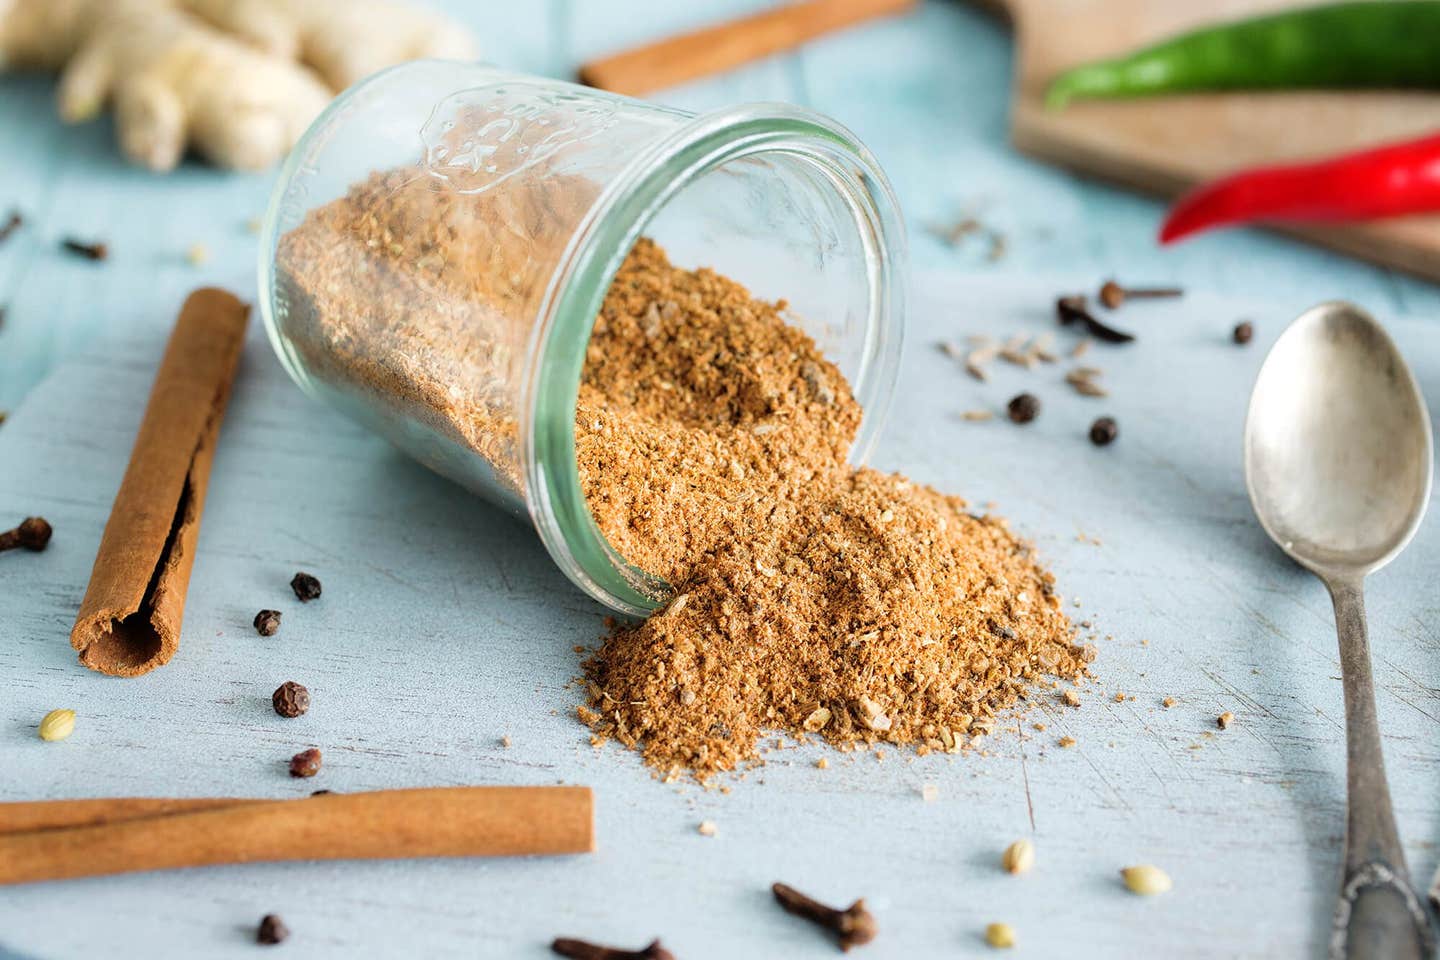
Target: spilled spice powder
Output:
[(812, 598)]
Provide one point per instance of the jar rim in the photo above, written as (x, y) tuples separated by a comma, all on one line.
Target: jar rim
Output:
[(594, 255)]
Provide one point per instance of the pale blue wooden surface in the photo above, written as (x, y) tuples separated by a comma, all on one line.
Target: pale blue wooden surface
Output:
[(445, 626)]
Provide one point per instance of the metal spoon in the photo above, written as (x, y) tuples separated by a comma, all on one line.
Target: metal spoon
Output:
[(1338, 464)]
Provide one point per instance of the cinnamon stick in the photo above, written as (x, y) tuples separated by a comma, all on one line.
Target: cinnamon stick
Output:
[(386, 824), (129, 621), (721, 47), (30, 815)]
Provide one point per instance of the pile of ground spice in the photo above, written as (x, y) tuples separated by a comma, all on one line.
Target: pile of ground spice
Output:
[(811, 597)]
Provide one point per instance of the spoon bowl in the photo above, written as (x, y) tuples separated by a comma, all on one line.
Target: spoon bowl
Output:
[(1338, 465), (1337, 443)]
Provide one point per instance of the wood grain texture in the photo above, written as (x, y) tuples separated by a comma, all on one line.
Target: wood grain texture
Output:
[(1165, 145), (444, 625)]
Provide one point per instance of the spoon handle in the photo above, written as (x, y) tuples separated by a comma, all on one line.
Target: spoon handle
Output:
[(1379, 914)]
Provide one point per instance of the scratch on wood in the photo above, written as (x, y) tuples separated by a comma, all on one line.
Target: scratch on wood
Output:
[(1025, 775)]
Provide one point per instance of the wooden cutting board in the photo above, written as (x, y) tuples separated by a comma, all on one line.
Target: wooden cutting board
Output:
[(1165, 145)]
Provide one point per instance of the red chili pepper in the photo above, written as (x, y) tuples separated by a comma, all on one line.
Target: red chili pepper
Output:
[(1384, 181)]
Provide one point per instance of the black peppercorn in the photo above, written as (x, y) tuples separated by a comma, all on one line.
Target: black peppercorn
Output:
[(306, 763), (1024, 408), (1103, 431), (290, 699), (306, 587), (267, 622), (272, 930), (1244, 332)]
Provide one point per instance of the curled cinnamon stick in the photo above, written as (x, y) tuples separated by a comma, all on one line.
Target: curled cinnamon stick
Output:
[(721, 47), (386, 824), (129, 621)]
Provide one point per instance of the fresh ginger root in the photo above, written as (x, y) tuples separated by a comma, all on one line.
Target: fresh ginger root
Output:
[(177, 78), (342, 40)]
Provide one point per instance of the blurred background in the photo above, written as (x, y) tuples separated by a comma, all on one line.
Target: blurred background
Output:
[(928, 91)]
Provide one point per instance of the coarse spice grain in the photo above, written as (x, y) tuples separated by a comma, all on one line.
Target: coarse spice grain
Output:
[(712, 435)]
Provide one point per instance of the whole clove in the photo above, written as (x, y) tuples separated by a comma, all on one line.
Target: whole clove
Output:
[(12, 223), (584, 950), (1075, 309), (306, 587), (32, 534), (267, 623), (1113, 295), (272, 930), (90, 251), (1243, 333), (852, 926)]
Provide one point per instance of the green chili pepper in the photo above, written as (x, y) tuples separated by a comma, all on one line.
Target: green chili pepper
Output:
[(1387, 44)]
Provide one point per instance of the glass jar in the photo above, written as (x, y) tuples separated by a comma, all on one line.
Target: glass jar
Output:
[(440, 241)]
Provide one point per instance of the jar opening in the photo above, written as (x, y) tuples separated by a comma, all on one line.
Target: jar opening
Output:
[(788, 196)]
